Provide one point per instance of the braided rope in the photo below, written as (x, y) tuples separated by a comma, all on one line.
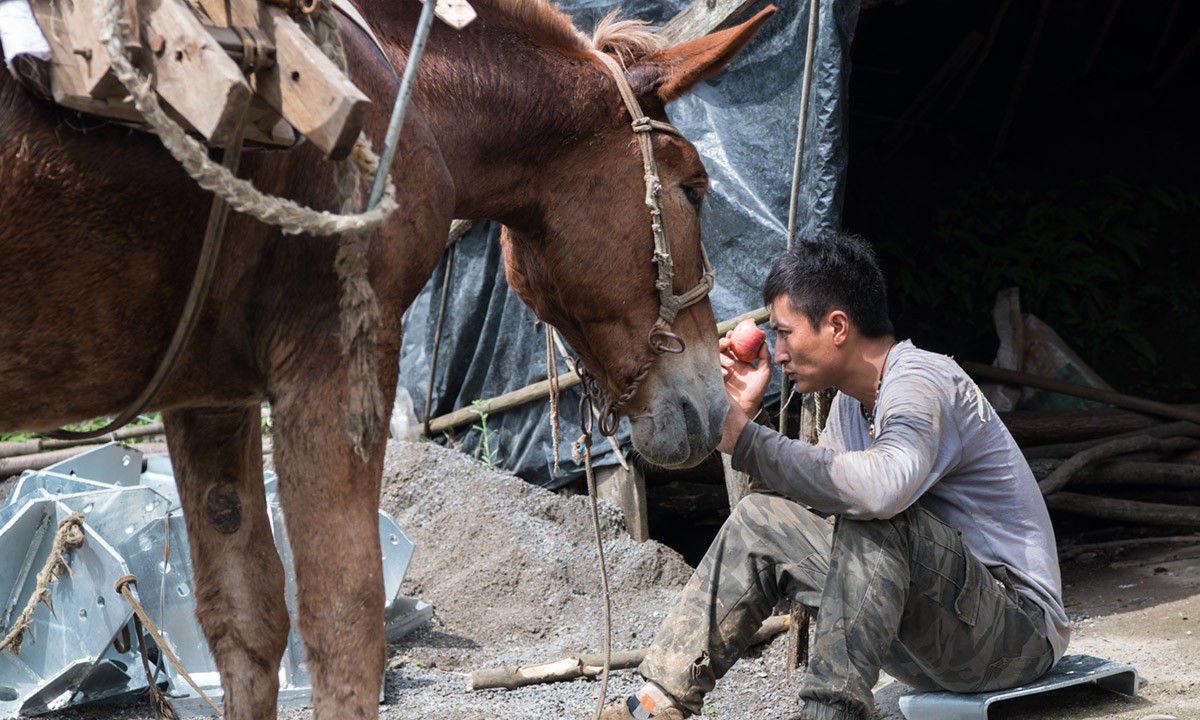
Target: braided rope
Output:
[(241, 195), (68, 537)]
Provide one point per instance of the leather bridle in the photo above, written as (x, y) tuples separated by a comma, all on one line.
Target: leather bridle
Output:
[(659, 338)]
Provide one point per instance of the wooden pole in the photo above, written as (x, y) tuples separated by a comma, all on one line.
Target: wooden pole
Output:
[(541, 388), (13, 448), (1129, 402), (37, 461), (814, 12), (1124, 510)]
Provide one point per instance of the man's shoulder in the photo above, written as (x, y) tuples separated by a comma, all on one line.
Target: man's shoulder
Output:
[(930, 375), (925, 367)]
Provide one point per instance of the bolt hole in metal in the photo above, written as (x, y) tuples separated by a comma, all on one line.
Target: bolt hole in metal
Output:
[(82, 613), (88, 508), (125, 461), (181, 590), (393, 539), (100, 601)]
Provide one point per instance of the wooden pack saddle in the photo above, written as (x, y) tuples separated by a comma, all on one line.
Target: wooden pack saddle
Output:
[(212, 62)]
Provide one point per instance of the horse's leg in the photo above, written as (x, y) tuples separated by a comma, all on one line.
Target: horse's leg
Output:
[(330, 501), (217, 456)]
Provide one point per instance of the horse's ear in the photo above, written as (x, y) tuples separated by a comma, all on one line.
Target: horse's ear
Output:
[(671, 72)]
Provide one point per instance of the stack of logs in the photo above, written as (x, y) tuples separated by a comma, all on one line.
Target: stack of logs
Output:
[(1114, 464)]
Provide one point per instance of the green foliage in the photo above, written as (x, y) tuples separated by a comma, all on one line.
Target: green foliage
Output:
[(89, 425), (489, 450), (1110, 265)]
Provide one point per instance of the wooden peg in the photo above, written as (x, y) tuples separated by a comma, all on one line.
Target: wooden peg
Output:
[(308, 90), (191, 71)]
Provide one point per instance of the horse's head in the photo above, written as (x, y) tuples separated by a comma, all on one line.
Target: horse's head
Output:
[(584, 259)]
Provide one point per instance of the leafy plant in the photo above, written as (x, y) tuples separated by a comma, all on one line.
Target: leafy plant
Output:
[(489, 450)]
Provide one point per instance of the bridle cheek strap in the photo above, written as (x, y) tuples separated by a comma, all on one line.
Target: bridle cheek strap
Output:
[(669, 304)]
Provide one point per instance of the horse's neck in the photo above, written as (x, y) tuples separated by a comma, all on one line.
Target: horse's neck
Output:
[(500, 106)]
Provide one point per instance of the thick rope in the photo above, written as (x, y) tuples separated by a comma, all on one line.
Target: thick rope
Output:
[(68, 537), (241, 195)]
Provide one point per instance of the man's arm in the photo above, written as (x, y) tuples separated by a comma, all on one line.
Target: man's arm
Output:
[(879, 482)]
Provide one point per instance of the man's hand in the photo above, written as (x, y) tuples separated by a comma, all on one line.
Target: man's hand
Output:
[(745, 384)]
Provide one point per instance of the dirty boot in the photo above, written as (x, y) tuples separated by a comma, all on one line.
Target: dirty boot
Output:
[(630, 709)]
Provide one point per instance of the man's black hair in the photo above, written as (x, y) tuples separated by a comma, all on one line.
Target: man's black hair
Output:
[(833, 271)]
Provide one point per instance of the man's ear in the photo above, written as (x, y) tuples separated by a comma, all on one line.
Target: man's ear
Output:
[(671, 72), (839, 323)]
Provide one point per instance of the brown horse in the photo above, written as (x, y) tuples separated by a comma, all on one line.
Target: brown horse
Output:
[(513, 120)]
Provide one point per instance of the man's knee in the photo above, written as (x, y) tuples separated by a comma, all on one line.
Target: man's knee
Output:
[(771, 520)]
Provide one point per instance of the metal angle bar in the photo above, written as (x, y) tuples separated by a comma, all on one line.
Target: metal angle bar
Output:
[(30, 554)]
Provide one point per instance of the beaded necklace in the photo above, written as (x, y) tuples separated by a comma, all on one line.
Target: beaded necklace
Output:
[(870, 416)]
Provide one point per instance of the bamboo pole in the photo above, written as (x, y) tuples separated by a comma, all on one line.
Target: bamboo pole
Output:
[(541, 388)]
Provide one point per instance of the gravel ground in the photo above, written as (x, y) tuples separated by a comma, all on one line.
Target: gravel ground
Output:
[(511, 571)]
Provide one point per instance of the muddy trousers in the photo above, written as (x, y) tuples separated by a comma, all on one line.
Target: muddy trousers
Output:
[(901, 594)]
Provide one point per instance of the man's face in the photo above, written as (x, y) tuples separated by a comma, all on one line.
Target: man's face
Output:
[(808, 355)]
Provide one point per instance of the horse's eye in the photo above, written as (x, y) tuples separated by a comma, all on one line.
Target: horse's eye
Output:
[(694, 195)]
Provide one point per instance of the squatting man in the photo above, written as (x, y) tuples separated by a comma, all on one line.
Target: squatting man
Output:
[(937, 561)]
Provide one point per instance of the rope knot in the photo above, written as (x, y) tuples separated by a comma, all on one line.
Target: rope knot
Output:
[(642, 125)]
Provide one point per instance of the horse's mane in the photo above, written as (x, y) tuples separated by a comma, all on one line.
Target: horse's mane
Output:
[(626, 39)]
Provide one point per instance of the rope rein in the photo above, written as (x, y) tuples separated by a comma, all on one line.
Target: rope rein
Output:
[(141, 618), (660, 339)]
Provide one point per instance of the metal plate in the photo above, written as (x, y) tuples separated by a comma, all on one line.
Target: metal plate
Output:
[(1071, 670), (134, 525)]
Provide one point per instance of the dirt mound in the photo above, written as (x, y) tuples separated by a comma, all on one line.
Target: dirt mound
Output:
[(504, 562)]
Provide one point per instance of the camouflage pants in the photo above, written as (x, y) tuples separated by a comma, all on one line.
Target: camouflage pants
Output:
[(902, 594)]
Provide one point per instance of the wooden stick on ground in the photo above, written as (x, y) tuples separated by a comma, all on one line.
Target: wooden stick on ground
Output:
[(1073, 551), (589, 665), (37, 461), (1175, 429)]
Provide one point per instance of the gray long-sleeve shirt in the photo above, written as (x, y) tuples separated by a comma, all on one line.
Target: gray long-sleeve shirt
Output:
[(938, 444)]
